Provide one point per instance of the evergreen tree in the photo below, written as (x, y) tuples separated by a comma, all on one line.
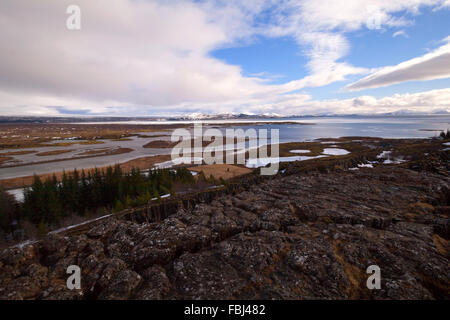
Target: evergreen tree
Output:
[(8, 210)]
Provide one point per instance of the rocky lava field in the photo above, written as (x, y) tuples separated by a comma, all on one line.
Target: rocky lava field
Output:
[(297, 236)]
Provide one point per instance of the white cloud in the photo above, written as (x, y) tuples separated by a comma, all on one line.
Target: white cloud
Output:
[(286, 104), (433, 65), (137, 52), (422, 102), (321, 29), (144, 57), (445, 4), (400, 33)]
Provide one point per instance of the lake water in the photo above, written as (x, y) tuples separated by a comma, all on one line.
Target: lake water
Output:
[(294, 130), (383, 127)]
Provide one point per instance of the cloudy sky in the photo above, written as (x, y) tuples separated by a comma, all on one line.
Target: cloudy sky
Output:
[(173, 57)]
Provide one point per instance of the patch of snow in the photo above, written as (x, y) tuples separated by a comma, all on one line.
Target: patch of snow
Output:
[(395, 161), (24, 244), (262, 162), (215, 187), (79, 224), (177, 161), (300, 151), (162, 197), (335, 151), (384, 154), (362, 165), (18, 194)]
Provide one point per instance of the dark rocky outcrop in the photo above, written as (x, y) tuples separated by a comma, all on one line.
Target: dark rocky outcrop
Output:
[(301, 236)]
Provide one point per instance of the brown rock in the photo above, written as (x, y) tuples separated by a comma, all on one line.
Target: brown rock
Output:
[(122, 287)]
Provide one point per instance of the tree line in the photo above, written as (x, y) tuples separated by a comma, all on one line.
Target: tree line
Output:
[(82, 193), (445, 135)]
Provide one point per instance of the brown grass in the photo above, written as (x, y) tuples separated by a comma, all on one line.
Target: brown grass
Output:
[(89, 142), (95, 152), (71, 143), (115, 151), (224, 171), (144, 163), (442, 245), (18, 153), (160, 144), (5, 159), (314, 148), (354, 275), (27, 135), (53, 153)]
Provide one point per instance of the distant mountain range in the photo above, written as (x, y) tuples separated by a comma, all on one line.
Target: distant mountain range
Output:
[(225, 116), (192, 116), (201, 116)]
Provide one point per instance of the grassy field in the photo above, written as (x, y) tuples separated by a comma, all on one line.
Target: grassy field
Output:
[(224, 171)]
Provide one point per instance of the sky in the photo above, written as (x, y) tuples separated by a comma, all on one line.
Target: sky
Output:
[(180, 57)]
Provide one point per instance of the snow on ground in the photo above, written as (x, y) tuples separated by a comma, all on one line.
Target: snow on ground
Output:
[(79, 224), (162, 197), (335, 151), (361, 165), (394, 161), (177, 161), (24, 244), (365, 165), (18, 194), (300, 151), (262, 162), (386, 155)]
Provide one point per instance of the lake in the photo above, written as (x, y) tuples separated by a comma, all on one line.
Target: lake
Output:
[(290, 129)]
